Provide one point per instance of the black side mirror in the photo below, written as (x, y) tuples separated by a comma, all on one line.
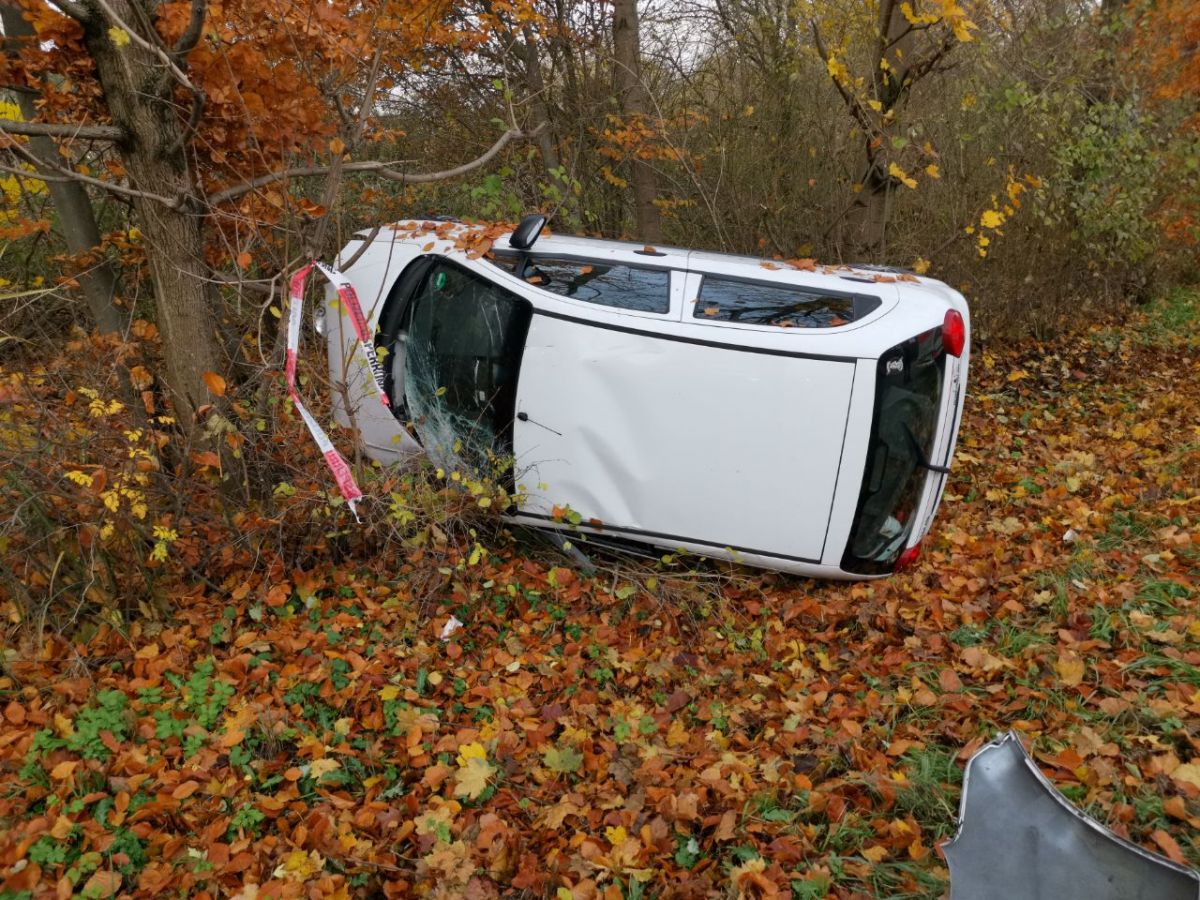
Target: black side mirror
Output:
[(527, 231)]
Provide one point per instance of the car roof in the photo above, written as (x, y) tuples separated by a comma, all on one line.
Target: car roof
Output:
[(683, 258), (663, 255), (576, 245), (871, 278)]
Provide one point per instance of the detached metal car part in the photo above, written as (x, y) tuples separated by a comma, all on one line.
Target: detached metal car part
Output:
[(734, 407), (1019, 837)]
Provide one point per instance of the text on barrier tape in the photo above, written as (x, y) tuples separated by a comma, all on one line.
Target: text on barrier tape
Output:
[(337, 464)]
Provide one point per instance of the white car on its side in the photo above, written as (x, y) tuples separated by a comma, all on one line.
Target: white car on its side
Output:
[(795, 417)]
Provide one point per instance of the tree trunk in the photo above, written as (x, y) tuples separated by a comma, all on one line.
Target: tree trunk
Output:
[(76, 218), (867, 220), (634, 102), (140, 99), (547, 145)]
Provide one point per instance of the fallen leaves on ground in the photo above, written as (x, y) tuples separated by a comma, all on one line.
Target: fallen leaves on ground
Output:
[(675, 732)]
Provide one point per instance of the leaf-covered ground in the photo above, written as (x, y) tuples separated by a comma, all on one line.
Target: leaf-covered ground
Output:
[(657, 734)]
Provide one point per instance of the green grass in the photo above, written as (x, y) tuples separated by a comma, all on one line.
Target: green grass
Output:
[(1173, 316), (931, 792)]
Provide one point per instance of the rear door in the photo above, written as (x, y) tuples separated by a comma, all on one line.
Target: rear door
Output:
[(662, 433)]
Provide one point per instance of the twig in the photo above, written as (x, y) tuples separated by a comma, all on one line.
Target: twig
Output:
[(67, 175), (51, 129), (195, 27), (382, 168), (366, 242)]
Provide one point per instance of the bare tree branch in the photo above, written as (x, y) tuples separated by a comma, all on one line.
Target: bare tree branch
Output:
[(257, 285), (191, 125), (382, 168), (353, 134), (366, 242), (923, 66), (75, 10), (50, 170), (49, 129), (195, 27)]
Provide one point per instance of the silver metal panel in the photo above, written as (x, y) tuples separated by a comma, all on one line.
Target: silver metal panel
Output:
[(1018, 837)]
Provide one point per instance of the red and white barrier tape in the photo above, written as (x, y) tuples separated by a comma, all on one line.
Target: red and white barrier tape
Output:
[(366, 339), (337, 464)]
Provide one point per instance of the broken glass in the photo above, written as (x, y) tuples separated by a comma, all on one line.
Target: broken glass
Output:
[(462, 352)]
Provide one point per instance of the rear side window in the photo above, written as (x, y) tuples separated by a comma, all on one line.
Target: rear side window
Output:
[(784, 306), (605, 284)]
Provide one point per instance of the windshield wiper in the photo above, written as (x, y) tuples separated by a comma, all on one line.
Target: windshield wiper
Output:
[(922, 459)]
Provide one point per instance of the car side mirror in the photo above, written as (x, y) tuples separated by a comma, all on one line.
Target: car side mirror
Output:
[(528, 231)]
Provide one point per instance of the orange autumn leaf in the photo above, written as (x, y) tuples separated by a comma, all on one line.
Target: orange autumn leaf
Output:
[(1169, 846), (215, 384), (185, 790)]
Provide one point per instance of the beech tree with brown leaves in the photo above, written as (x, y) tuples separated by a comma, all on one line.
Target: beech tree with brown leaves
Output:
[(211, 110)]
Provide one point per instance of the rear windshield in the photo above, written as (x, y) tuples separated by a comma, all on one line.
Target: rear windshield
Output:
[(784, 306), (606, 284), (907, 402)]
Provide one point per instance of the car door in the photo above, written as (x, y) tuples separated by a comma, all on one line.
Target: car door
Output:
[(651, 431), (458, 356)]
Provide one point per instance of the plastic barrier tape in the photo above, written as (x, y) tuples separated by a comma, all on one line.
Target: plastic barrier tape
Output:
[(366, 340), (337, 464)]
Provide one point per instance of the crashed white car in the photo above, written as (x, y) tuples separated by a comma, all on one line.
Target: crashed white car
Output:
[(784, 415)]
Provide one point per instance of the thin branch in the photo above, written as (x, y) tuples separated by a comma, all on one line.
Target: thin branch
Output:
[(195, 27), (886, 11), (366, 242), (924, 66), (34, 176), (48, 129), (353, 135), (191, 125), (74, 9), (911, 29), (45, 167), (382, 168), (258, 286), (850, 100)]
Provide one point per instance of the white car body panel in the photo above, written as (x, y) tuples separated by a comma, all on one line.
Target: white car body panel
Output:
[(616, 401), (735, 440)]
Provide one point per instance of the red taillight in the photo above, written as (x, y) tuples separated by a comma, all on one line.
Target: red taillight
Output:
[(954, 333), (909, 556)]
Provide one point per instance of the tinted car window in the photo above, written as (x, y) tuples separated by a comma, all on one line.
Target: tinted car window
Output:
[(754, 303), (606, 284), (907, 400)]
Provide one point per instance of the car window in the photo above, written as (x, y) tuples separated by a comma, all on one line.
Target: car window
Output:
[(907, 402), (606, 284), (462, 355), (785, 306)]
